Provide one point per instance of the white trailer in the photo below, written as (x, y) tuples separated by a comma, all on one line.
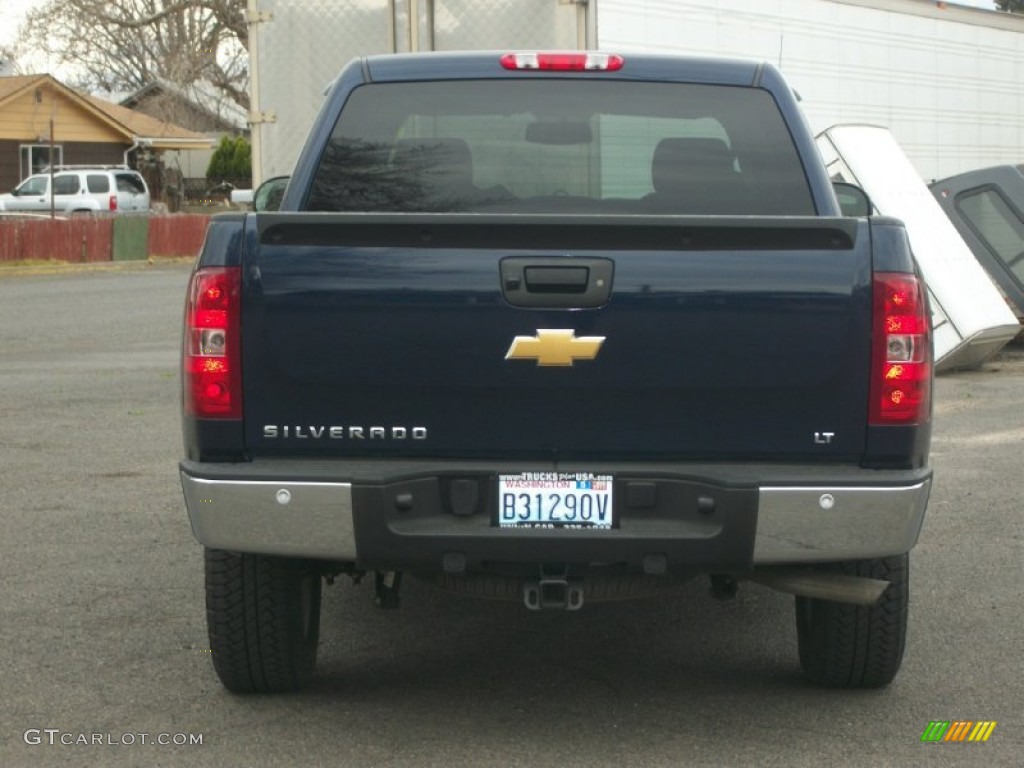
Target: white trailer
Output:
[(297, 47), (946, 80)]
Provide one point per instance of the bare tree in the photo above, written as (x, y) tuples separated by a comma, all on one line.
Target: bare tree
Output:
[(8, 60), (126, 44)]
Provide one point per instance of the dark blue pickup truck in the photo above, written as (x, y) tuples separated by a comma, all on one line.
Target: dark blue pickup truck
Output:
[(559, 328)]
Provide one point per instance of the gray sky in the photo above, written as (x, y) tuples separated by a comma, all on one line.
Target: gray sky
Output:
[(11, 13)]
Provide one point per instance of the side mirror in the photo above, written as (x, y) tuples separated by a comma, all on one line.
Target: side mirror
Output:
[(270, 193), (853, 201)]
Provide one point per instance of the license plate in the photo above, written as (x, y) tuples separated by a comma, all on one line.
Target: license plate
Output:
[(555, 500)]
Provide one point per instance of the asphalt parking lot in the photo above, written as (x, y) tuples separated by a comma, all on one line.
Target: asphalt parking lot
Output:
[(102, 631)]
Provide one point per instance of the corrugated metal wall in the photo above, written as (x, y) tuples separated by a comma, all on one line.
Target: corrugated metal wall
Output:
[(947, 81), (303, 44)]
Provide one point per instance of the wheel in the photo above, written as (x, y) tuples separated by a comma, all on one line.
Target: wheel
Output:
[(855, 646), (263, 616)]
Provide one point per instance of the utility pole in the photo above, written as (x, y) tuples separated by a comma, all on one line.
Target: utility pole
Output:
[(53, 197)]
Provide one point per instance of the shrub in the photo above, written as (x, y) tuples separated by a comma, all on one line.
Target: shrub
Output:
[(231, 160)]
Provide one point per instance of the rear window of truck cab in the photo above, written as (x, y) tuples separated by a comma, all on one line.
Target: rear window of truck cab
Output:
[(560, 145)]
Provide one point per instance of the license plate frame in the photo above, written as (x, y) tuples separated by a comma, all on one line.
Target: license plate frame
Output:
[(556, 500)]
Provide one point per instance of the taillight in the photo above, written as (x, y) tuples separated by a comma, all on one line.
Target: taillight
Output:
[(564, 62), (212, 355), (901, 365), (113, 202)]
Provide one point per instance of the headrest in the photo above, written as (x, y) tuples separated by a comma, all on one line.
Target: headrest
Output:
[(678, 162)]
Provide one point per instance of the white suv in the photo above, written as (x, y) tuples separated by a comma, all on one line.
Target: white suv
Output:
[(91, 189)]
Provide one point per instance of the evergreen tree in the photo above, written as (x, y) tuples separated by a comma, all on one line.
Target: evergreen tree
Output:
[(221, 163), (241, 159)]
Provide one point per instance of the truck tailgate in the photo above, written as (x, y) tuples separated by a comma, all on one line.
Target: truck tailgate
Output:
[(390, 336)]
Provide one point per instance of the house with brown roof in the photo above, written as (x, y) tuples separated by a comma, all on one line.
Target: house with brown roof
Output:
[(198, 107), (42, 121)]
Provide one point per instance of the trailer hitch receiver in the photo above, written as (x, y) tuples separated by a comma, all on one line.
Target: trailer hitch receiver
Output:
[(553, 590)]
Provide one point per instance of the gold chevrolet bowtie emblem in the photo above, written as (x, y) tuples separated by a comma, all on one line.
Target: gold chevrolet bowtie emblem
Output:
[(554, 346)]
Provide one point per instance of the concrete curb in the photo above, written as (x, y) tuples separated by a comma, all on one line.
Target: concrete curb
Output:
[(63, 267)]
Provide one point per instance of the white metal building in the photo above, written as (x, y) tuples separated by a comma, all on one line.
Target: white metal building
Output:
[(948, 81)]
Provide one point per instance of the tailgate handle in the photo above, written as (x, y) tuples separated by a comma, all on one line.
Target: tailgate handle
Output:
[(556, 279), (556, 282)]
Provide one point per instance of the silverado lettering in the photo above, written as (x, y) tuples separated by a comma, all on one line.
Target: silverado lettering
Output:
[(274, 431), (622, 292)]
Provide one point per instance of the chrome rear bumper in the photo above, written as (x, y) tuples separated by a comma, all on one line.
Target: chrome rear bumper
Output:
[(795, 524), (827, 524), (301, 519)]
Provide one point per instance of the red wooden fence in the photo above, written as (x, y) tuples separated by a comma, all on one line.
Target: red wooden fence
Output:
[(73, 240), (90, 239), (178, 235)]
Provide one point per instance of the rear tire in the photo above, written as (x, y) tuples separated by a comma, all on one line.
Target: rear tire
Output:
[(854, 646), (263, 616)]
